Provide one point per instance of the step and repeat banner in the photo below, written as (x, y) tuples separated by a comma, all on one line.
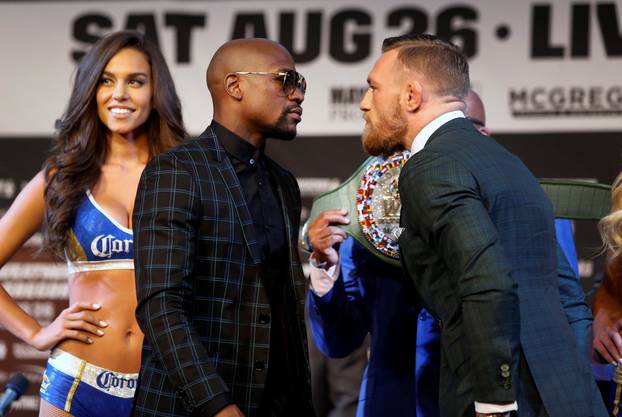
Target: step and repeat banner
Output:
[(539, 66), (548, 73)]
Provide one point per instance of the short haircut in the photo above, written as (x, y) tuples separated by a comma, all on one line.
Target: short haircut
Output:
[(440, 61)]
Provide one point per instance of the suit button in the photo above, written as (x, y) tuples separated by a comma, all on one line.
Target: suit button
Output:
[(264, 318), (505, 374), (507, 384), (504, 367), (260, 366)]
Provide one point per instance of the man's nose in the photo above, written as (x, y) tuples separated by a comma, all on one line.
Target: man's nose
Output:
[(297, 95), (364, 104)]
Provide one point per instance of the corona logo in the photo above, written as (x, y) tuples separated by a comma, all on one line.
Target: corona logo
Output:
[(107, 380), (105, 246)]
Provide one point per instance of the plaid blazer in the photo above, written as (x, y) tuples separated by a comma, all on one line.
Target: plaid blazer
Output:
[(479, 244), (201, 301)]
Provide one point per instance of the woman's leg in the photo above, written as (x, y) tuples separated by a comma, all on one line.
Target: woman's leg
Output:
[(48, 410)]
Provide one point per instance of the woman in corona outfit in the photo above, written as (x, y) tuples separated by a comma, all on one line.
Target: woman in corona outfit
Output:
[(123, 110), (608, 300)]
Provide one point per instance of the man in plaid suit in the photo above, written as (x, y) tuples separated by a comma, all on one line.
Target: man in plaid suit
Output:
[(220, 286), (478, 243)]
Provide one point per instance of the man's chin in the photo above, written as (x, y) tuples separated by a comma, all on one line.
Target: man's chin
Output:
[(371, 145), (284, 134), (376, 147)]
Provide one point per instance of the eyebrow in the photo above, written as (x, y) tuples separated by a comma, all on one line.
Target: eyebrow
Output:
[(133, 74)]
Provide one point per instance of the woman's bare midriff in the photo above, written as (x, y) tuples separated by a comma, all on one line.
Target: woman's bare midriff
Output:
[(119, 348)]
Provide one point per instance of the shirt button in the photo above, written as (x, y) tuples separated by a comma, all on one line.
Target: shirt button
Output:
[(251, 161), (260, 366)]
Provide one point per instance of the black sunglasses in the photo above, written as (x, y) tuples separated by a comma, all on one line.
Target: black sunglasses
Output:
[(292, 79)]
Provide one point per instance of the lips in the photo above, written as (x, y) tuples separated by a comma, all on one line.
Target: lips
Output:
[(120, 112), (296, 113)]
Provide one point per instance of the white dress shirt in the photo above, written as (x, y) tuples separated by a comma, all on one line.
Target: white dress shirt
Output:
[(424, 134)]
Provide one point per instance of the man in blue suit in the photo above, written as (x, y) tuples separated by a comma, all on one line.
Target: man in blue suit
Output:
[(369, 296)]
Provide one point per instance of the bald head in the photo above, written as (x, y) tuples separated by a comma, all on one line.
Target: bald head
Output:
[(247, 81), (475, 111), (241, 55)]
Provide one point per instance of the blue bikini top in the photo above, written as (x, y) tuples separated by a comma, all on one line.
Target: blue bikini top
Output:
[(96, 241)]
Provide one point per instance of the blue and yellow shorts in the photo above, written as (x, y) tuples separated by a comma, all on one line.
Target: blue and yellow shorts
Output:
[(86, 390)]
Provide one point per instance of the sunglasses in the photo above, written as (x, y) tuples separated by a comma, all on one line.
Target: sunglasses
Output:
[(292, 79)]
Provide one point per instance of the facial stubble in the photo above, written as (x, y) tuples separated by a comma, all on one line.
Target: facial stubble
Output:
[(387, 136)]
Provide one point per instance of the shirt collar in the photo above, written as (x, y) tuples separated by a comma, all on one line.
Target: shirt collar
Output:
[(424, 134), (236, 146)]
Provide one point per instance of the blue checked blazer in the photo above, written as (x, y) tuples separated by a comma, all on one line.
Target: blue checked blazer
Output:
[(201, 302), (479, 244)]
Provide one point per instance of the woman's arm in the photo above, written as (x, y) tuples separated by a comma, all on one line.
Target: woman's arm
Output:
[(18, 224), (607, 309)]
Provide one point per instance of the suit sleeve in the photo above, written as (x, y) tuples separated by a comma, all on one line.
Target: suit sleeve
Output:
[(442, 203), (573, 302), (338, 320), (570, 291), (165, 232)]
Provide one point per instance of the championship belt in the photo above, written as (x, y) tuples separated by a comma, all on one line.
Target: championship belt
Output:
[(371, 197)]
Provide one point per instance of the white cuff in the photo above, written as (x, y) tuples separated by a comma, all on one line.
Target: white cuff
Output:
[(486, 408), (322, 280)]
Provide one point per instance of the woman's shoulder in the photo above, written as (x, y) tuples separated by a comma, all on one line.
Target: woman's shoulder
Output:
[(37, 183)]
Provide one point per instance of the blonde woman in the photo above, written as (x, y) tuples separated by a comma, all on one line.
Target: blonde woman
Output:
[(608, 301)]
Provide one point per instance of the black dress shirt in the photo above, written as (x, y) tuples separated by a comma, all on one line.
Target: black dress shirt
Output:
[(259, 191), (261, 195)]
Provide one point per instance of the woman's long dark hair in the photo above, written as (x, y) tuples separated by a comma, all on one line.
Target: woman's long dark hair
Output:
[(79, 150)]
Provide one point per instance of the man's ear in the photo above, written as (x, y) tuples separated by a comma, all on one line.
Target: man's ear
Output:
[(414, 96), (232, 86)]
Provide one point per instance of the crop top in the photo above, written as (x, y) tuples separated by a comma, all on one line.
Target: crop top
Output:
[(96, 241)]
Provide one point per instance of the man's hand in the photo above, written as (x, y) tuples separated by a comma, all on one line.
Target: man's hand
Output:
[(231, 410), (325, 236), (607, 340)]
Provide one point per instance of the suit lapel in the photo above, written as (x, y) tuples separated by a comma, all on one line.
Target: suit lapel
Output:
[(234, 189)]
